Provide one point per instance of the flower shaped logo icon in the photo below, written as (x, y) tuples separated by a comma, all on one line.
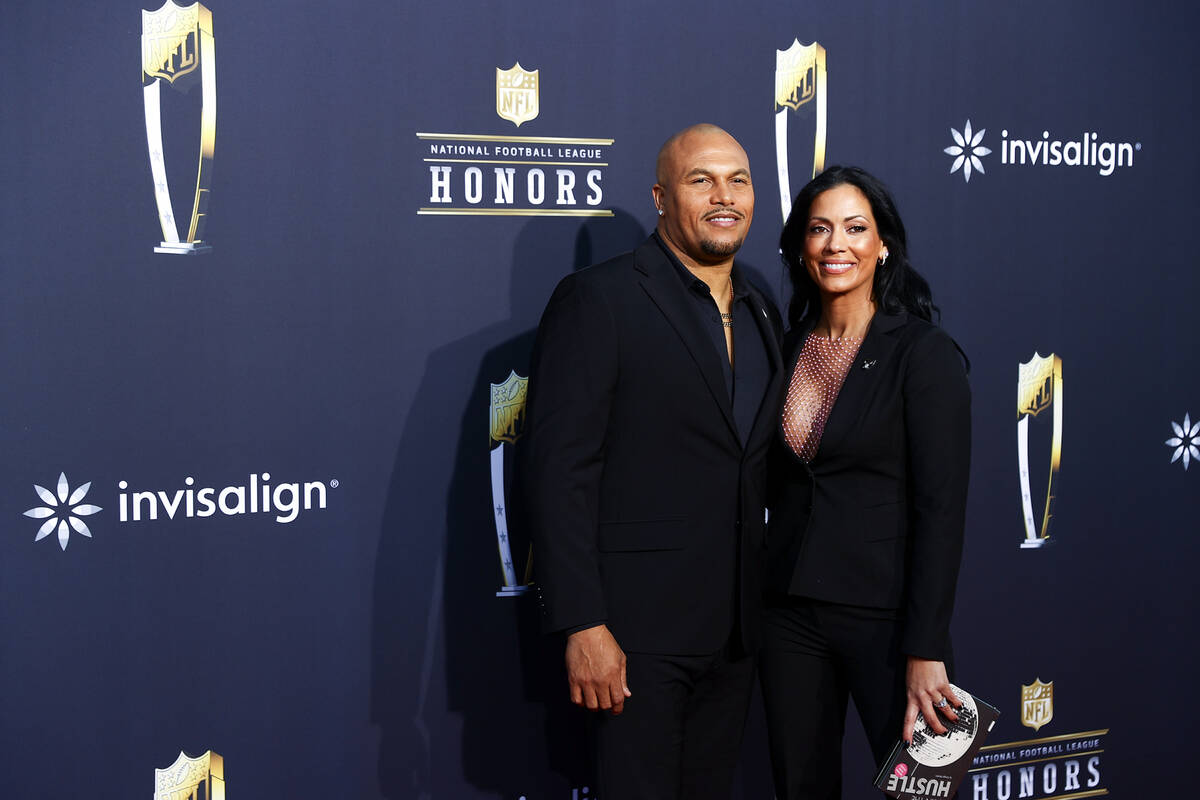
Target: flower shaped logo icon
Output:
[(967, 150), (63, 511), (1186, 441)]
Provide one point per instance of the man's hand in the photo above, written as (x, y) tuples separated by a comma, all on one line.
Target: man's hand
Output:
[(927, 688), (596, 670)]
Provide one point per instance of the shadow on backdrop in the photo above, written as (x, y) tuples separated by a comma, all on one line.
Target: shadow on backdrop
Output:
[(441, 638)]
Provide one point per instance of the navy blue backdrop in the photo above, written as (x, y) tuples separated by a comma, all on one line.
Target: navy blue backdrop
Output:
[(342, 335)]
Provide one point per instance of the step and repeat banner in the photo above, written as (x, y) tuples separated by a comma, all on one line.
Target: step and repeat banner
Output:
[(271, 274)]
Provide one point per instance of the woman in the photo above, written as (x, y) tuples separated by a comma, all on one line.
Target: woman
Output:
[(869, 484)]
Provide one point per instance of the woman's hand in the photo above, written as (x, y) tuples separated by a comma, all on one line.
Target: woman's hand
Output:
[(927, 687)]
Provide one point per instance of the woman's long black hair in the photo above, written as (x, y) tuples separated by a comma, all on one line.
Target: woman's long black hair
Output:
[(897, 286)]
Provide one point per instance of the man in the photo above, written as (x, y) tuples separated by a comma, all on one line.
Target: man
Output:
[(652, 402)]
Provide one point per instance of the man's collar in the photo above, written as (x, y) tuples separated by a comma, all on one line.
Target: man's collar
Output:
[(740, 287)]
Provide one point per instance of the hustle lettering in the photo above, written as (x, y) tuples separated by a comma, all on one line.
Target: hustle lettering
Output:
[(920, 787)]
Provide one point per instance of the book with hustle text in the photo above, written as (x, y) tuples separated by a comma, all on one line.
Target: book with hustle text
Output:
[(933, 766)]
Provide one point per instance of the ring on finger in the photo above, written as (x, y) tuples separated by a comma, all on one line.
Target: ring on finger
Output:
[(941, 703)]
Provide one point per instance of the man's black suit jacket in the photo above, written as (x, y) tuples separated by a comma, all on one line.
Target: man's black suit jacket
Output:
[(877, 518), (645, 509)]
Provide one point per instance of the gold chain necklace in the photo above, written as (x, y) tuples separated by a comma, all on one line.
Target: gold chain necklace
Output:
[(727, 319)]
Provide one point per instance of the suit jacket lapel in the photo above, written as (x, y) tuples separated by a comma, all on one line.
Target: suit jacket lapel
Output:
[(768, 410), (668, 293), (769, 335), (862, 381), (793, 343)]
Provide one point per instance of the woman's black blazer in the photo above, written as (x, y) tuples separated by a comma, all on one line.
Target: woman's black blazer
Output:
[(877, 518)]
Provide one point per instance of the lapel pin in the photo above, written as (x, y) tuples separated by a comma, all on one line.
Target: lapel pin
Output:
[(868, 364)]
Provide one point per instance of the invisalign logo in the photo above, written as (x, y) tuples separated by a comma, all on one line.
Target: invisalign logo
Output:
[(1089, 150), (256, 496), (1086, 151), (64, 508)]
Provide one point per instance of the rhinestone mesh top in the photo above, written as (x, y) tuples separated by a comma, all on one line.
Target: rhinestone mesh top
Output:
[(820, 372)]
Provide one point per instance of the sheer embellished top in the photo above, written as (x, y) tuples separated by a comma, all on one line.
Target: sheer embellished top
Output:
[(820, 371)]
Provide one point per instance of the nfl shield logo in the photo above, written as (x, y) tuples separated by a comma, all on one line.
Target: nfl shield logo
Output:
[(170, 40), (799, 70), (1035, 384), (1037, 704), (508, 408), (516, 94), (200, 778)]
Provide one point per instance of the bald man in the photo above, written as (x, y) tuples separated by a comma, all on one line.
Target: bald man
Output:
[(652, 402)]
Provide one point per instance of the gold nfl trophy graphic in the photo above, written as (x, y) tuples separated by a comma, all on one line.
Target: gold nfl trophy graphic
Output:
[(200, 778), (177, 49), (800, 89), (507, 425), (517, 94), (1037, 704), (1039, 387)]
